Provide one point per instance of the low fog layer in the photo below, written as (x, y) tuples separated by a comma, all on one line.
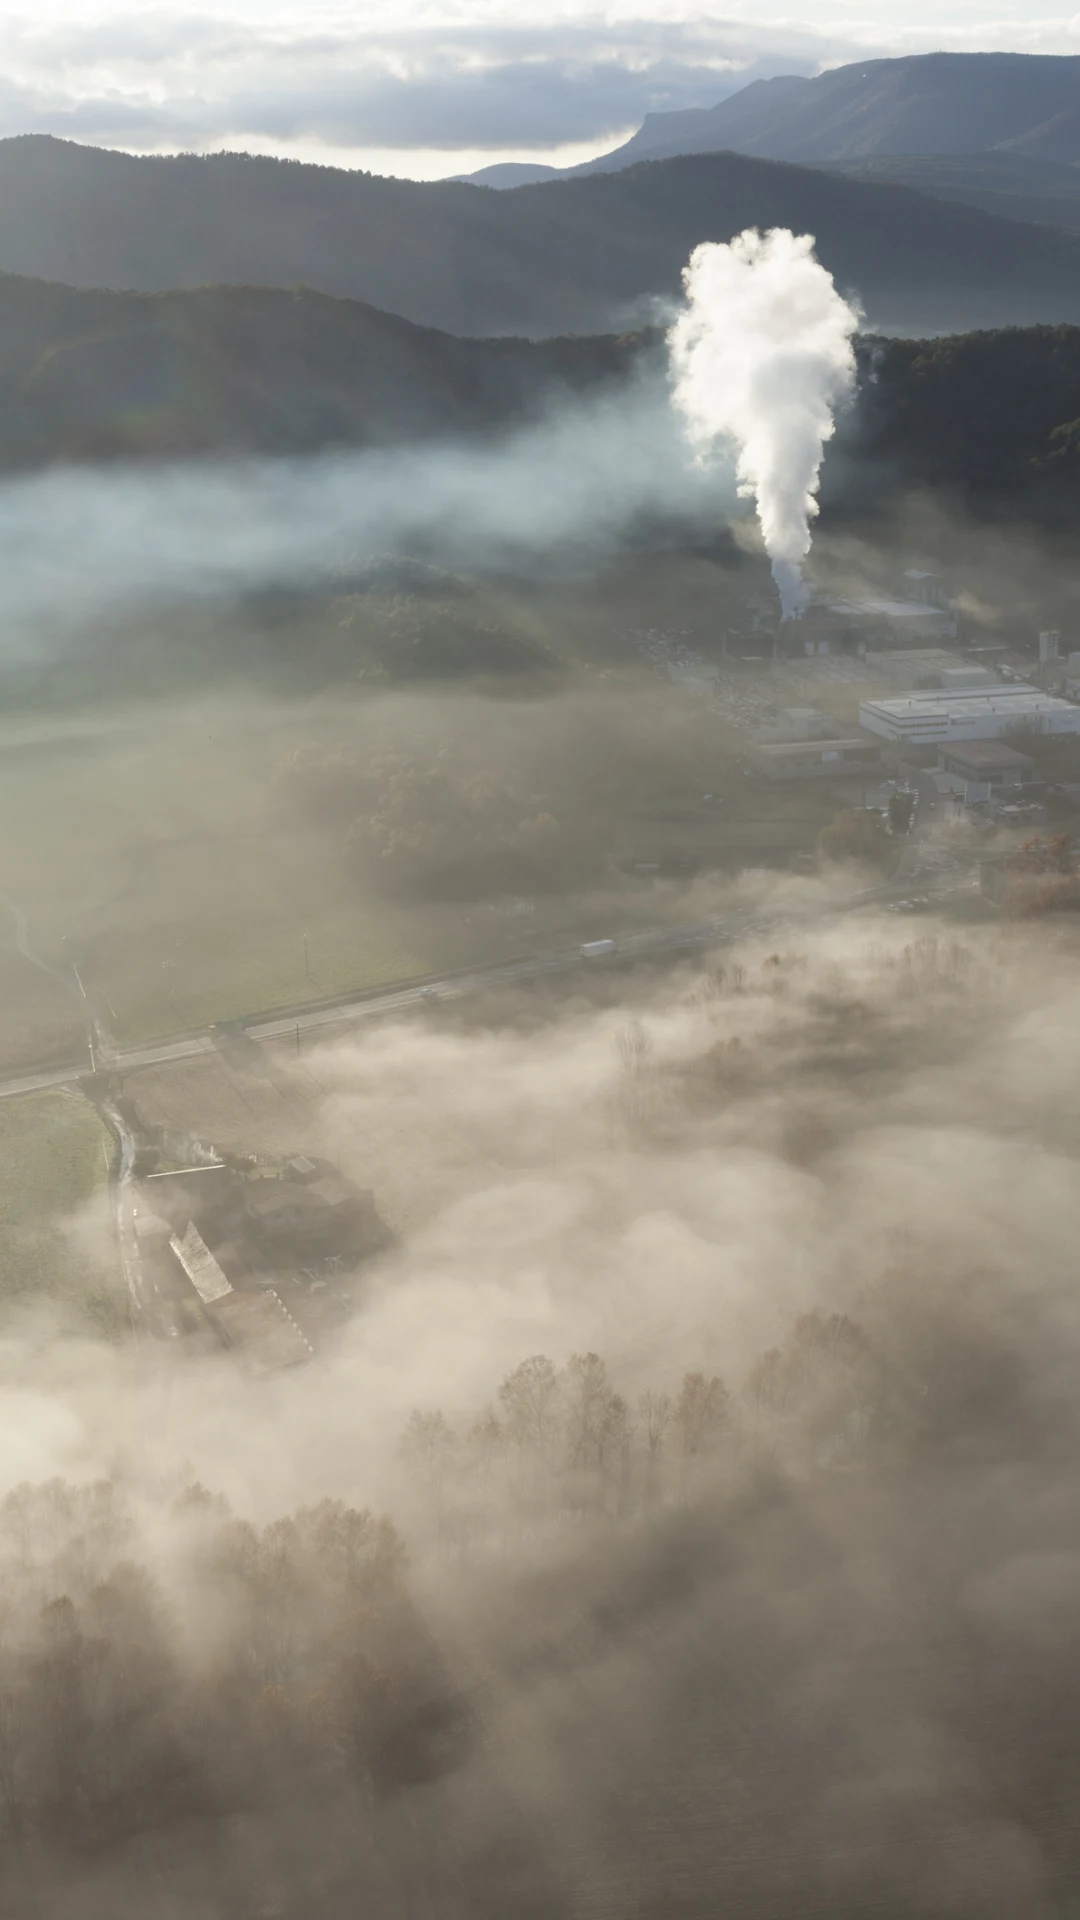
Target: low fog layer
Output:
[(757, 1591), (74, 542)]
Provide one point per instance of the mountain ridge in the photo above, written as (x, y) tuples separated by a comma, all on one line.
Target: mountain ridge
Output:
[(96, 375), (930, 103), (591, 254)]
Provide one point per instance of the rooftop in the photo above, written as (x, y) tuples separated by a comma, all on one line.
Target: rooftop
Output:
[(263, 1332), (780, 749), (1018, 702), (300, 1197), (280, 1196), (885, 609), (923, 659), (335, 1191), (200, 1266), (987, 753)]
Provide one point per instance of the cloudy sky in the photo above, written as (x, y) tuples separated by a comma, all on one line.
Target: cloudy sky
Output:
[(430, 87)]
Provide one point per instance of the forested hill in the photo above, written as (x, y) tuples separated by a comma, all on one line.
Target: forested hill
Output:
[(238, 370), (585, 254), (1005, 184), (992, 416), (90, 376)]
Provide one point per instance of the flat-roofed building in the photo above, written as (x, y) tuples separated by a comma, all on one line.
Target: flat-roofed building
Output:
[(913, 666), (322, 1212), (937, 718), (816, 759), (200, 1265), (988, 763), (262, 1332), (887, 622)]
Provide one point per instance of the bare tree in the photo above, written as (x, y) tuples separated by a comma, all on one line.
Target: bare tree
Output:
[(529, 1398), (634, 1047), (701, 1415), (654, 1411)]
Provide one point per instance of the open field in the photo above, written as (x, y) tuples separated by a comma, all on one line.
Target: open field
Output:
[(39, 1023), (164, 857), (57, 1248), (167, 877)]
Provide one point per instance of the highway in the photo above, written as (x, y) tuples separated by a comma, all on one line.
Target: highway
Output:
[(349, 1010)]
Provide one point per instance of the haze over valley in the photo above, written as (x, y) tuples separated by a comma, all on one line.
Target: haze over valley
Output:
[(539, 892)]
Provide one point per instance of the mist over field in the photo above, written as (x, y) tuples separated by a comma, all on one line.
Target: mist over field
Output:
[(774, 1549), (538, 1137)]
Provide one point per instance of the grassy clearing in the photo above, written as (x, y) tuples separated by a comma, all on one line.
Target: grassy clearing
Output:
[(56, 1242), (39, 1023), (155, 857), (161, 850), (184, 974)]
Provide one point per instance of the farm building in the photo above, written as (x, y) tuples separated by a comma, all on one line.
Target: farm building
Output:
[(312, 1212), (256, 1325)]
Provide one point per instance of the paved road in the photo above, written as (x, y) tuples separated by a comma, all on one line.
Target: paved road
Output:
[(747, 922)]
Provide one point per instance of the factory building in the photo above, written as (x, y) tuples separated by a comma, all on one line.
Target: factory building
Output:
[(872, 624), (932, 718), (815, 759), (983, 767), (912, 667)]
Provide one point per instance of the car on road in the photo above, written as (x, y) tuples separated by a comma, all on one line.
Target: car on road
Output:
[(429, 993)]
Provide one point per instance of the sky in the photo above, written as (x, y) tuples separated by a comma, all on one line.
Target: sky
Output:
[(426, 88)]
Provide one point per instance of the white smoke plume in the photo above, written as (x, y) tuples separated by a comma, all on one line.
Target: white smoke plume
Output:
[(761, 357)]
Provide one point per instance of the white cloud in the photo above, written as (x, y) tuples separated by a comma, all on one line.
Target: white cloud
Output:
[(430, 89)]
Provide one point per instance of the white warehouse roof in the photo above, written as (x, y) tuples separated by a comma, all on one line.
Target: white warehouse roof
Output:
[(200, 1266), (962, 714)]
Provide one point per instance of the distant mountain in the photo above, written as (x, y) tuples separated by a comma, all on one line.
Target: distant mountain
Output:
[(582, 255), (932, 103), (247, 370), (509, 173), (1001, 183), (733, 126)]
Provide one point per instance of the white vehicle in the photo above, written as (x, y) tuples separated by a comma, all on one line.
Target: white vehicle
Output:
[(596, 949)]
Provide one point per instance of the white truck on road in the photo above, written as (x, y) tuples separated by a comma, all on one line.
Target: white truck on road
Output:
[(596, 949)]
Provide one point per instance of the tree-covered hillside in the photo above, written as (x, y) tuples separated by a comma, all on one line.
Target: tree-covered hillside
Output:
[(991, 415), (582, 254), (93, 375)]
